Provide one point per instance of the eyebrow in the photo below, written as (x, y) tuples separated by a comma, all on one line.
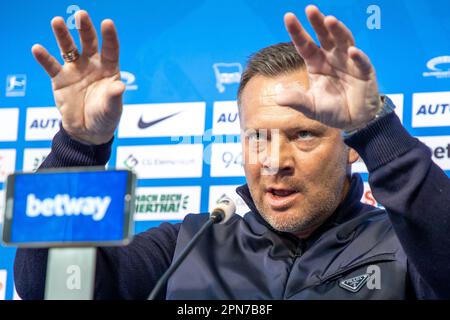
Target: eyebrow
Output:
[(312, 126)]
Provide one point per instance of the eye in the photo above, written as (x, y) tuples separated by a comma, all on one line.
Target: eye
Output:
[(304, 135), (255, 136)]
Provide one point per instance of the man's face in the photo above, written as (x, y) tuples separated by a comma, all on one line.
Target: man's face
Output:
[(299, 184)]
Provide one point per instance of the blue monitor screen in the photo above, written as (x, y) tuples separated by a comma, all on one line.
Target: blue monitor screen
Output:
[(69, 207)]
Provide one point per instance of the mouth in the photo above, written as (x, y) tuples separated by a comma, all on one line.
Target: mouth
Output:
[(281, 198)]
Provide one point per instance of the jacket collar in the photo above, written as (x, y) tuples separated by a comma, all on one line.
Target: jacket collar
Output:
[(350, 207)]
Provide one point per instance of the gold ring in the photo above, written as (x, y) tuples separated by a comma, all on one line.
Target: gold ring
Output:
[(71, 56)]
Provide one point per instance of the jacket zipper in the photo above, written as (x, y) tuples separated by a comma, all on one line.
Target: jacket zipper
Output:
[(300, 249)]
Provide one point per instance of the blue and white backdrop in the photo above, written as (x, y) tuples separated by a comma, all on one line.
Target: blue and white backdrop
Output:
[(182, 61)]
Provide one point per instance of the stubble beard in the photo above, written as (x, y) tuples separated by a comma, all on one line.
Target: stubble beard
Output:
[(311, 212)]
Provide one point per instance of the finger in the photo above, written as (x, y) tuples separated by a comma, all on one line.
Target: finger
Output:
[(110, 45), (343, 37), (296, 97), (316, 18), (305, 45), (48, 62), (361, 60), (88, 36), (63, 37)]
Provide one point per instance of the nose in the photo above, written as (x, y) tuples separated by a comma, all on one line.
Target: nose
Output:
[(280, 159)]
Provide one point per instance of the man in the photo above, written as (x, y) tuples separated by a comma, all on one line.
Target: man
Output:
[(307, 235)]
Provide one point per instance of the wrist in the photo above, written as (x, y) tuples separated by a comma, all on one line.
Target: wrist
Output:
[(385, 107), (88, 140), (84, 141), (68, 152)]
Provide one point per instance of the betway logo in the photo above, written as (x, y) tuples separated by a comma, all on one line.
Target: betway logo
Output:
[(64, 205), (440, 149)]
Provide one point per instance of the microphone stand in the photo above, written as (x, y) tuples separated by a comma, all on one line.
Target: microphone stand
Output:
[(215, 218)]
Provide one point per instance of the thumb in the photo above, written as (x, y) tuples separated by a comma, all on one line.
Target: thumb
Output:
[(114, 94), (116, 88)]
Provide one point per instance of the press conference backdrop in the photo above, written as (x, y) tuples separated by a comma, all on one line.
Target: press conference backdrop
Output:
[(181, 62)]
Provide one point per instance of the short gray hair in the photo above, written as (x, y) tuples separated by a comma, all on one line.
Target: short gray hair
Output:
[(272, 61)]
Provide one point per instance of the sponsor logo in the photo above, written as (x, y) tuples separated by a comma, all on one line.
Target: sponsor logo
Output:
[(44, 123), (64, 205), (439, 67), (162, 161), (166, 203), (3, 278), (130, 162), (37, 161), (7, 163), (431, 109), (226, 118), (368, 197), (226, 160), (129, 80), (216, 193), (16, 85), (161, 203), (9, 120), (438, 108), (144, 125), (227, 73), (33, 158), (162, 120), (440, 150), (39, 127)]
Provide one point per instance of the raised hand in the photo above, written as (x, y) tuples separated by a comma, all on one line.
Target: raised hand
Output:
[(343, 91), (88, 90)]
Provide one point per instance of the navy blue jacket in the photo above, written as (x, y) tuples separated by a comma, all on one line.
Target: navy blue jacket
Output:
[(246, 258)]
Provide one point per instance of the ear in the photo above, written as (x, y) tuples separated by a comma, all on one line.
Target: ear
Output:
[(352, 156)]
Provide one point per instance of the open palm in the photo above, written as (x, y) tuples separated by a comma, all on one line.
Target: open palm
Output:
[(343, 90), (88, 91)]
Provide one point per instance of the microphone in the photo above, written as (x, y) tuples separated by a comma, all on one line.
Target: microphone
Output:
[(223, 211), (219, 215)]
